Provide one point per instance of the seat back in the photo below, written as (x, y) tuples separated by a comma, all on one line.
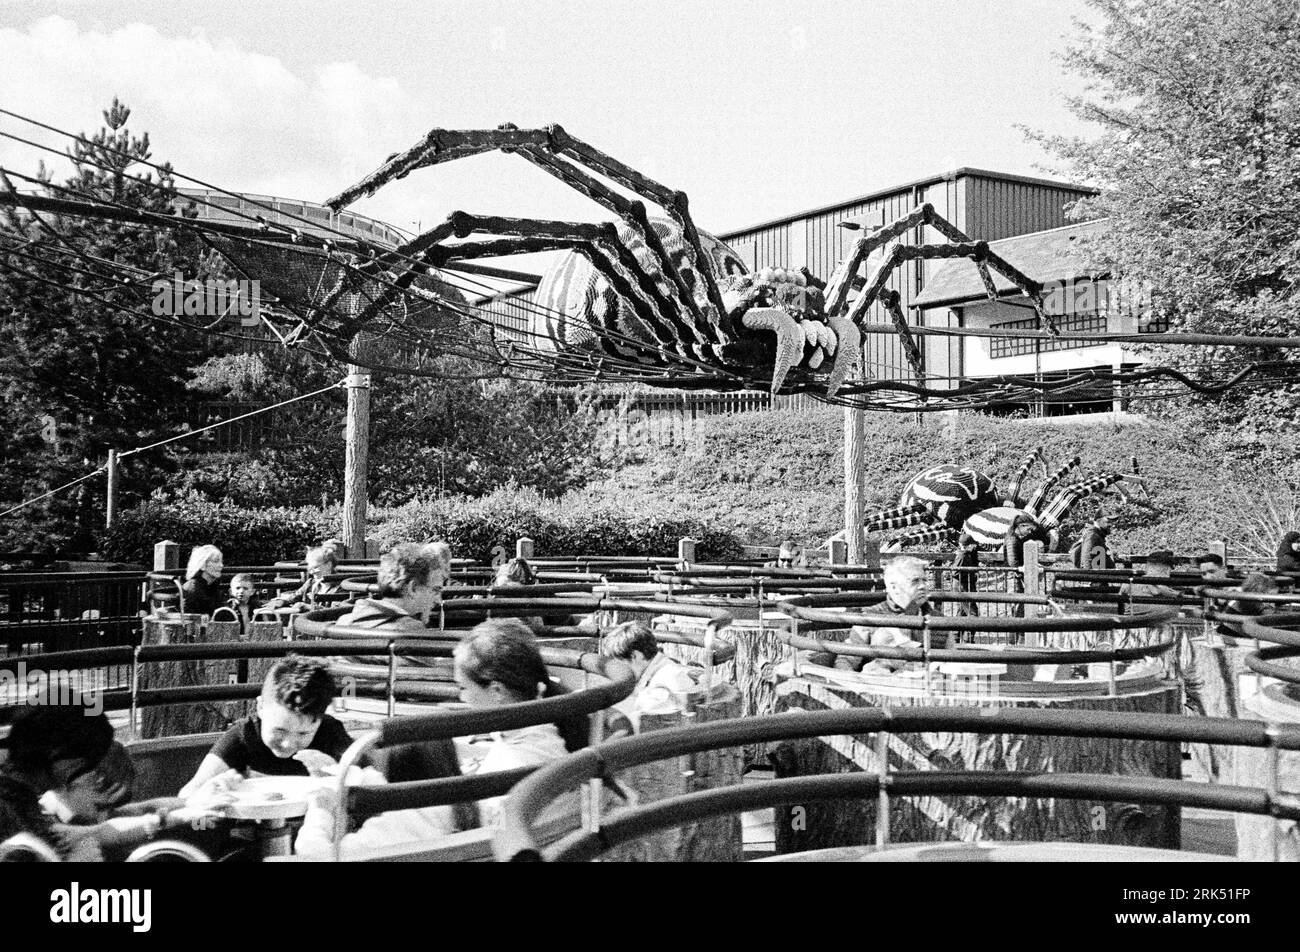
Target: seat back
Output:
[(26, 848), (168, 851)]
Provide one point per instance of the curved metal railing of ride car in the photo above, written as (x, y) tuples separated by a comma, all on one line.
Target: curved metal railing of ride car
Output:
[(360, 802), (458, 614), (617, 681), (835, 611), (516, 840), (1281, 631)]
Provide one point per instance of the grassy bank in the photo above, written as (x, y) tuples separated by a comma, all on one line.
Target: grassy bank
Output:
[(780, 475)]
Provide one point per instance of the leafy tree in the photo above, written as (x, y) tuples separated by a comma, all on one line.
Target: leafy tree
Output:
[(84, 367), (1198, 162), (429, 436), (433, 437)]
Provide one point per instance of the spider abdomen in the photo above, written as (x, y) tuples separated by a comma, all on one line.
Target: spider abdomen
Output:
[(955, 492)]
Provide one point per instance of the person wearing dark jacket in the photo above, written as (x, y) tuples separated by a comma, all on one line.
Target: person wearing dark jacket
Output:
[(202, 591), (411, 578), (907, 591), (1091, 552), (1288, 553), (243, 601)]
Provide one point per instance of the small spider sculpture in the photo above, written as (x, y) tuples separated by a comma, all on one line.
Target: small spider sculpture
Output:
[(949, 503)]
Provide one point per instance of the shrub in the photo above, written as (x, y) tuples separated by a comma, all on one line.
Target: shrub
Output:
[(244, 536), (474, 527)]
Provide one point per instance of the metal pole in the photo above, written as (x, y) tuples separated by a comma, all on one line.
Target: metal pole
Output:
[(595, 787), (882, 795), (110, 502), (392, 678), (356, 456), (1274, 754), (925, 648), (794, 652), (135, 690)]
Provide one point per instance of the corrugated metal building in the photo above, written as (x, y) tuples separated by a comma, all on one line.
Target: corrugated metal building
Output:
[(985, 205)]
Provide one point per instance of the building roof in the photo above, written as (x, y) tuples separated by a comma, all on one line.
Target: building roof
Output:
[(904, 187), (244, 208), (1045, 256)]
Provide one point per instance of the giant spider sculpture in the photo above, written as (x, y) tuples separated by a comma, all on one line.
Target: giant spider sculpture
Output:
[(958, 503), (659, 295)]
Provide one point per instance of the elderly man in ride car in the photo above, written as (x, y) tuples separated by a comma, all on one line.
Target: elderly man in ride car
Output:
[(906, 590)]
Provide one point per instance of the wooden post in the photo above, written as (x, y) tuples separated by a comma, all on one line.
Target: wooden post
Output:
[(1032, 569), (356, 457), (839, 552), (110, 501), (1220, 548), (871, 553), (524, 548), (166, 556), (854, 439)]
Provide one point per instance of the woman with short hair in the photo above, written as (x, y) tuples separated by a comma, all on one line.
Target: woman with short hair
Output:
[(202, 592)]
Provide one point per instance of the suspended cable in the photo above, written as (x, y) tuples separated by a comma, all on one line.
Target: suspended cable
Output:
[(28, 502)]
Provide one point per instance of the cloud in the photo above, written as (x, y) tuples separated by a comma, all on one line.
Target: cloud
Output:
[(238, 119)]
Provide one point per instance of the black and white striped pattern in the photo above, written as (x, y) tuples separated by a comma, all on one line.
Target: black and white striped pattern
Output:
[(991, 526), (1071, 494), (895, 518), (1013, 492), (580, 304), (924, 534), (1037, 499)]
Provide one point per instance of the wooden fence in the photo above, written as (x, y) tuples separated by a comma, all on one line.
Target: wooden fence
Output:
[(666, 416), (669, 418)]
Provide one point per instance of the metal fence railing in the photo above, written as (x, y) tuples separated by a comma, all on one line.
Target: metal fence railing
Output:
[(43, 612)]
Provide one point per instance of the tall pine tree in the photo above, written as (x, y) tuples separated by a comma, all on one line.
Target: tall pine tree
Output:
[(84, 366)]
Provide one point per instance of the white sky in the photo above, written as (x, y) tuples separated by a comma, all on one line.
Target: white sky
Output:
[(755, 109)]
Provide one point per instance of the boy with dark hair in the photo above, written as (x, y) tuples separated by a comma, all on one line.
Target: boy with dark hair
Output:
[(63, 765), (660, 680), (290, 735), (1211, 567)]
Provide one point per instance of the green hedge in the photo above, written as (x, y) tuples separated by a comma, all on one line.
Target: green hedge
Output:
[(473, 528), (244, 536)]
